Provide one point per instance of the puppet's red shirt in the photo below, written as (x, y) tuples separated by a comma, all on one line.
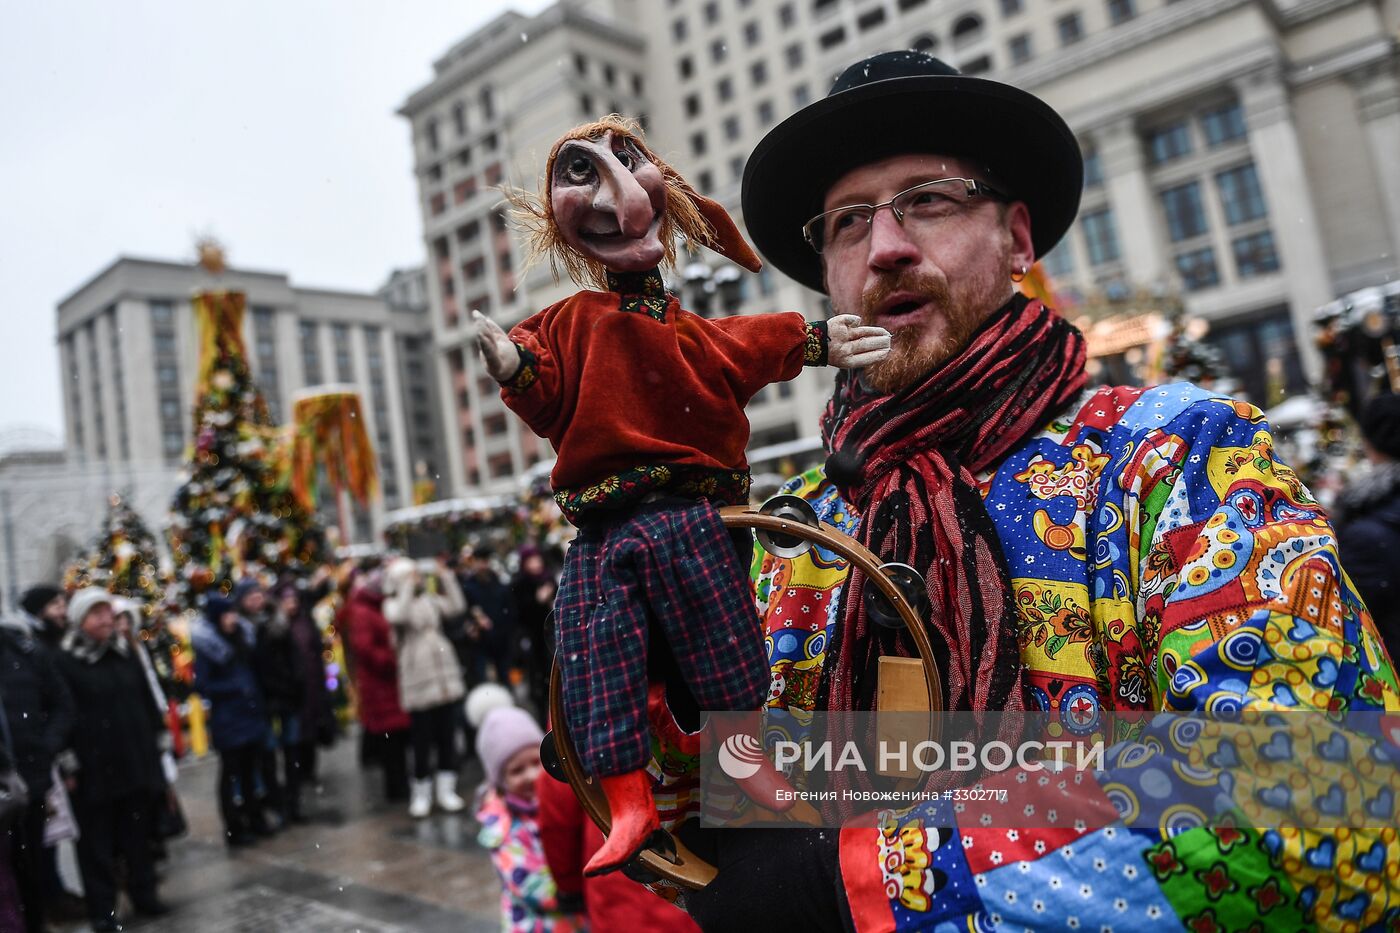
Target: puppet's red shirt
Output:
[(638, 395)]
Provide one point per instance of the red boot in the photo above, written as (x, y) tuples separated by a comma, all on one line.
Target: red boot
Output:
[(763, 785), (634, 819)]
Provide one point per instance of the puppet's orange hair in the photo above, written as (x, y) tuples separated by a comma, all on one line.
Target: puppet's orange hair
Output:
[(533, 212)]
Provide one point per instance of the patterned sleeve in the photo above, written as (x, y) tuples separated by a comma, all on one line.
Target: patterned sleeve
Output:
[(1243, 578), (1244, 604)]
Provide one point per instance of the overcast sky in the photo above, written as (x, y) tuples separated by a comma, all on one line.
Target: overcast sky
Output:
[(131, 127)]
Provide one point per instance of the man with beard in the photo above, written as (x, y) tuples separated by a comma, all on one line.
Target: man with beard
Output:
[(1085, 550)]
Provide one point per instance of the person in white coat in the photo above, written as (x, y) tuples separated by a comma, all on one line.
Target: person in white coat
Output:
[(430, 679)]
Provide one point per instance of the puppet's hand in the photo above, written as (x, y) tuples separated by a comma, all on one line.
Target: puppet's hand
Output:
[(851, 344), (500, 354)]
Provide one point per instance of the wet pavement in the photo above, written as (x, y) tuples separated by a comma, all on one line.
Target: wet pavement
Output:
[(358, 865)]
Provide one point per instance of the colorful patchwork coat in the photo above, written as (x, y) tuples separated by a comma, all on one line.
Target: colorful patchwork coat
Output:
[(1162, 558), (529, 898)]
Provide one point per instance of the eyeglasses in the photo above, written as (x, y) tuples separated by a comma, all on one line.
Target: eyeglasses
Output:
[(928, 203)]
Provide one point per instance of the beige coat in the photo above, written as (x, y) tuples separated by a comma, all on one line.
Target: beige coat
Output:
[(429, 674)]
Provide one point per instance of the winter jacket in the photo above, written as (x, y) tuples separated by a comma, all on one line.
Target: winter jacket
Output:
[(613, 902), (529, 899), (493, 597), (115, 728), (38, 706), (310, 648), (224, 675), (1368, 537), (376, 663), (429, 674), (279, 669)]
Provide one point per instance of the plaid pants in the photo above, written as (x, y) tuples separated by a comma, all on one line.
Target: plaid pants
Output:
[(669, 566)]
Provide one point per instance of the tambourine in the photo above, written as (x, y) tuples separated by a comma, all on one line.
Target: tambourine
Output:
[(786, 526)]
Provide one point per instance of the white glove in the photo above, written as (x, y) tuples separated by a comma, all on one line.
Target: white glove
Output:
[(498, 351), (852, 345)]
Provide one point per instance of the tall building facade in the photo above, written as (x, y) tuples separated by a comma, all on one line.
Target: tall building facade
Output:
[(128, 347), (1244, 154)]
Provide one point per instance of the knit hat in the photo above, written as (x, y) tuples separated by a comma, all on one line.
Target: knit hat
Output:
[(242, 588), (216, 606), (398, 574), (1380, 423), (86, 600), (37, 597), (505, 731), (483, 699)]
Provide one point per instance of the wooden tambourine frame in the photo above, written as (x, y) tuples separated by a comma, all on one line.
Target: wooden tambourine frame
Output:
[(689, 871)]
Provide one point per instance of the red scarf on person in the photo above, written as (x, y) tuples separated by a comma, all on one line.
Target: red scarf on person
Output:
[(906, 463)]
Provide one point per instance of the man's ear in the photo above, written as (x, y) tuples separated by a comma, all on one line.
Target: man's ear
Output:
[(1018, 224)]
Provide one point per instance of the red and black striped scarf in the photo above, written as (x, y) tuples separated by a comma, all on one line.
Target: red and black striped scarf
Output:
[(906, 463)]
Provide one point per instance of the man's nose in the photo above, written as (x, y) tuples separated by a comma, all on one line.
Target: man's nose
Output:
[(890, 244), (619, 194)]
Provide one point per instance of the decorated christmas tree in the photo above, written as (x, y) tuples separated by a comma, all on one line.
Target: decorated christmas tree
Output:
[(123, 557), (235, 512), (1186, 357)]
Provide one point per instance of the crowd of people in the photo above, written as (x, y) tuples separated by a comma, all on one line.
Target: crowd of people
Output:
[(87, 733)]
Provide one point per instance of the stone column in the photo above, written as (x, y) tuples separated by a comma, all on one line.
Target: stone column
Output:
[(1131, 197), (1278, 158), (1378, 104)]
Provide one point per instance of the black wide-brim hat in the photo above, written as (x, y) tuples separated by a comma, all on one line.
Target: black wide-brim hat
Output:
[(907, 102)]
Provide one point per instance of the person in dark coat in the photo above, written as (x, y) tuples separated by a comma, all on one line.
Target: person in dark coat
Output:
[(223, 645), (47, 608), (1367, 519), (491, 617), (533, 588), (385, 723), (283, 681), (115, 743), (39, 715)]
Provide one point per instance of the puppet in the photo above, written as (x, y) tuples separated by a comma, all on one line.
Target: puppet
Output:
[(644, 404)]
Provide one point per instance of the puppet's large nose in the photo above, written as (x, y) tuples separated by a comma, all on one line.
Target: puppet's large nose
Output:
[(622, 196)]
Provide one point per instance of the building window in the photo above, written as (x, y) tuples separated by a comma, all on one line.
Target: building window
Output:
[(1070, 28), (1255, 255), (437, 203), (499, 464), (712, 11), (719, 51), (707, 182), (832, 38), (906, 5), (967, 29), (168, 375), (870, 19), (310, 353), (692, 105), (1197, 269), (580, 64), (1241, 195), (473, 269), (786, 15), (758, 73), (1168, 142), (1100, 236), (637, 85), (340, 340), (751, 32), (679, 30), (492, 175), (585, 104), (1093, 169), (924, 43), (736, 168), (793, 55), (1223, 125), (609, 75), (724, 89), (488, 102), (1120, 11), (801, 96), (431, 131), (822, 7), (685, 66), (1012, 7), (469, 231), (1059, 262), (1186, 217), (1264, 356), (979, 65), (765, 112), (731, 127), (459, 118), (1020, 48), (504, 262), (697, 144)]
